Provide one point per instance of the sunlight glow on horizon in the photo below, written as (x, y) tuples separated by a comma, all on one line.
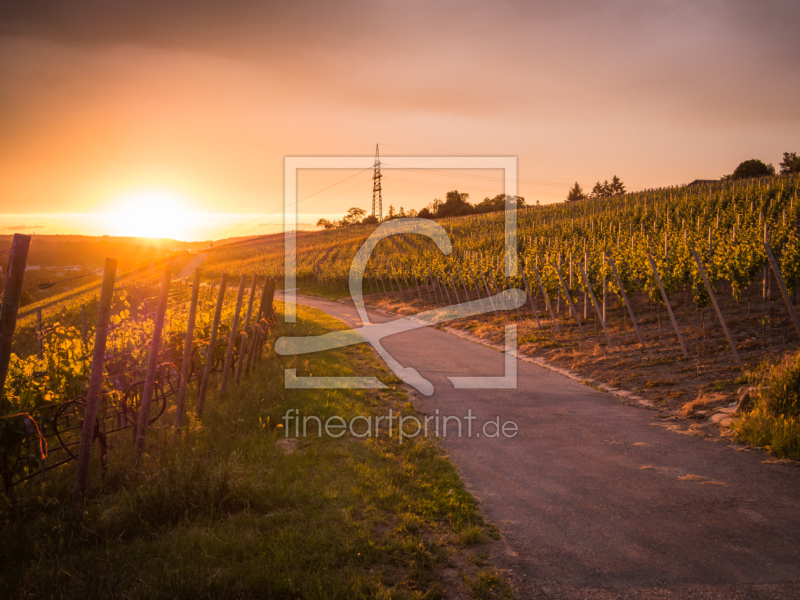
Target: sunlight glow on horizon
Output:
[(149, 213)]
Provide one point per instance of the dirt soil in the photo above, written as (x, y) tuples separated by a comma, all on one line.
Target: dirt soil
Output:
[(694, 386)]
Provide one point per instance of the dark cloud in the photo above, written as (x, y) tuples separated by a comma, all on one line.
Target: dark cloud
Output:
[(466, 57)]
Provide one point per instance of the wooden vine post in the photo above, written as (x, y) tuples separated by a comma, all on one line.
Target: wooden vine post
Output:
[(477, 287), (464, 285), (667, 304), (508, 282), (186, 363), (12, 292), (212, 346), (784, 292), (569, 300), (596, 307), (95, 386), (232, 337), (263, 302), (546, 298), (488, 293), (453, 283), (716, 306), (246, 341), (152, 364), (627, 303), (530, 298)]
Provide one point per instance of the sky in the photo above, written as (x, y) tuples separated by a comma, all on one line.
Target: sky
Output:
[(173, 118)]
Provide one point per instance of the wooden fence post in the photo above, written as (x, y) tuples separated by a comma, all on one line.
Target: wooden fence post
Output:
[(784, 292), (246, 341), (212, 346), (12, 291), (269, 309), (152, 364), (232, 338), (95, 385), (252, 348), (716, 307), (627, 302), (666, 303), (186, 364), (594, 303), (569, 300), (546, 299), (262, 305)]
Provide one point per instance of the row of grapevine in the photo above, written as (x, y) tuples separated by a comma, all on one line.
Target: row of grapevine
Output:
[(159, 343)]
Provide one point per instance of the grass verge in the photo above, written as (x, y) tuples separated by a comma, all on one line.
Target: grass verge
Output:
[(236, 509), (774, 420)]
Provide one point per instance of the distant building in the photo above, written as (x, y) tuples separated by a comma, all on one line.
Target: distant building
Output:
[(32, 267), (703, 182)]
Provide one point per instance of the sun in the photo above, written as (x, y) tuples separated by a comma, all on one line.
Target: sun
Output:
[(149, 213)]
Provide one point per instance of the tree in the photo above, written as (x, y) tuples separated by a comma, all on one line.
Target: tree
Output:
[(752, 168), (369, 220), (455, 204), (498, 203), (576, 193), (617, 188), (790, 163), (425, 214), (600, 190), (325, 223), (353, 216)]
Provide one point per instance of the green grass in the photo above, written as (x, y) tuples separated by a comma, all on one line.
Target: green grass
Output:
[(235, 510), (774, 421), (324, 291)]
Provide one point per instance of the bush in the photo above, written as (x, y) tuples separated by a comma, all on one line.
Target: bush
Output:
[(781, 396), (774, 422), (752, 168)]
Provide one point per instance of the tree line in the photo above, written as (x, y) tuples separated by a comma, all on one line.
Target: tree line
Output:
[(746, 170), (455, 204)]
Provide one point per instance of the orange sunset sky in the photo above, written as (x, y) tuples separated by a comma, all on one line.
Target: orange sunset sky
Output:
[(172, 118)]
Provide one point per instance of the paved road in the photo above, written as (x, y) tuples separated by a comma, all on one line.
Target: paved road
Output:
[(598, 499)]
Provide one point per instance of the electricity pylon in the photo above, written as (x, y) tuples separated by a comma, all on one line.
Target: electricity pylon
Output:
[(377, 201)]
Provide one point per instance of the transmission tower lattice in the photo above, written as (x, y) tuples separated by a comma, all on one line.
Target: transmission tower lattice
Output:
[(377, 201)]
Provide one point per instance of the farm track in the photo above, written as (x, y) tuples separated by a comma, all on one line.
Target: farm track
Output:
[(597, 499)]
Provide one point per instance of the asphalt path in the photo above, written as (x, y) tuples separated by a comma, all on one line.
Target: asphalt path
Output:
[(598, 499)]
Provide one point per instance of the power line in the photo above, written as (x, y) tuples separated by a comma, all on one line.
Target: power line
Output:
[(475, 176)]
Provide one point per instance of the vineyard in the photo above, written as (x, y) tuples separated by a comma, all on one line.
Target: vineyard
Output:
[(700, 279), (143, 454), (151, 342), (667, 292)]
